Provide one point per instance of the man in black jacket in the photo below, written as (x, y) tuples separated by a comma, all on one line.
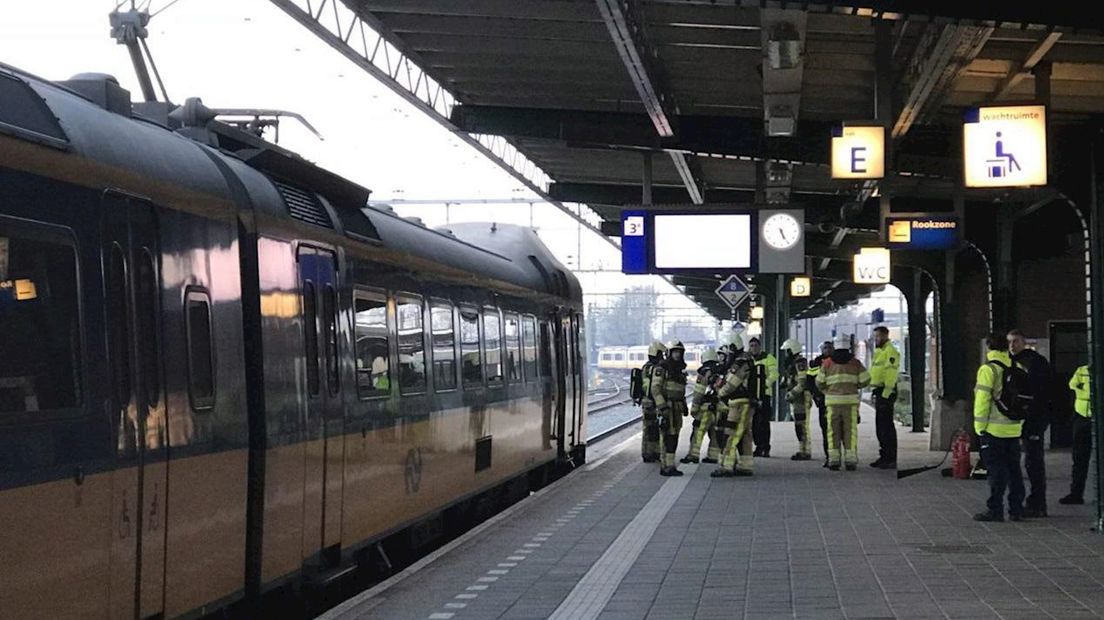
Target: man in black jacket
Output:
[(1035, 425)]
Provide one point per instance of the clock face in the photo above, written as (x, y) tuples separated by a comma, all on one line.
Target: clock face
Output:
[(781, 231)]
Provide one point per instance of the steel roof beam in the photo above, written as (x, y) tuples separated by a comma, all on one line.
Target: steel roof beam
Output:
[(625, 24), (625, 21), (1016, 75)]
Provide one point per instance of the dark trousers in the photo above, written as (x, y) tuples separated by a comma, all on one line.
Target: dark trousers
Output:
[(822, 413), (760, 425), (885, 426), (1002, 460), (1082, 453), (1034, 430)]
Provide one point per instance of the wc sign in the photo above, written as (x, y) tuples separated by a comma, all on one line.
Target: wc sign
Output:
[(858, 152), (871, 266), (1005, 146)]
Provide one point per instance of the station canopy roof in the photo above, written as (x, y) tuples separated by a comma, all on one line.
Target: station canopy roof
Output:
[(711, 88)]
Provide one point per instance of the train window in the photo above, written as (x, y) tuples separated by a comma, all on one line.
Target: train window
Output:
[(529, 346), (372, 349), (412, 372), (471, 364), (201, 374), (545, 349), (310, 335), (444, 346), (329, 313), (146, 297), (619, 357), (492, 338), (513, 348), (118, 326), (39, 325)]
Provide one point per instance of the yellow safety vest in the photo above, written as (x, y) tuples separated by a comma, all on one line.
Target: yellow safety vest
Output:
[(1079, 383), (987, 418), (884, 369), (770, 364)]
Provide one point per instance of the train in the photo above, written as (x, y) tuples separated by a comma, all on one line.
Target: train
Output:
[(223, 375), (621, 360)]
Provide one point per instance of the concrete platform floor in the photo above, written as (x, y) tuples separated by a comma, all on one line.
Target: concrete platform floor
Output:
[(617, 541)]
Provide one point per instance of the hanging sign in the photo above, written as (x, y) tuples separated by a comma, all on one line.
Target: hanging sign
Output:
[(1005, 146)]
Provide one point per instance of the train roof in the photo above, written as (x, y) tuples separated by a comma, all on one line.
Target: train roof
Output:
[(93, 118)]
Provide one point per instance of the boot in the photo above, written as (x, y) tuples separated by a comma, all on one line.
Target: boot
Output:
[(743, 472), (688, 459), (670, 471), (721, 473), (709, 460), (834, 467), (851, 467), (801, 456)]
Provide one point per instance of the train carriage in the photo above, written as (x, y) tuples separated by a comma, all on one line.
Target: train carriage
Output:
[(221, 373)]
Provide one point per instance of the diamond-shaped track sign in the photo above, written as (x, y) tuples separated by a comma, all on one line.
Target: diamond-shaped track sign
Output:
[(733, 292)]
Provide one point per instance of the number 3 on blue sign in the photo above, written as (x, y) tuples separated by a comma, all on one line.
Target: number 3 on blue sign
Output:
[(634, 226)]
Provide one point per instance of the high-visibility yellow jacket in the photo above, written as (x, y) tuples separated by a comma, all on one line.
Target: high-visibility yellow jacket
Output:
[(987, 418), (1079, 383), (842, 381), (884, 369), (769, 370)]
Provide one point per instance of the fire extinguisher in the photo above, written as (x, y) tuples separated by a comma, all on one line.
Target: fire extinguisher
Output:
[(960, 455)]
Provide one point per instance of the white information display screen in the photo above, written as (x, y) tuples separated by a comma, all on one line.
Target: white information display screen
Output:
[(706, 241)]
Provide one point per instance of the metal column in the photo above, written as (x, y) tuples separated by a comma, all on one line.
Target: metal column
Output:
[(917, 345), (1096, 324)]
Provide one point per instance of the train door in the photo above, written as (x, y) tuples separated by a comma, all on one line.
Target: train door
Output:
[(324, 421), (577, 347), (571, 405), (131, 267), (550, 367)]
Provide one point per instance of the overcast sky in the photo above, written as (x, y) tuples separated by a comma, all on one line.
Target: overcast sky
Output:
[(249, 53)]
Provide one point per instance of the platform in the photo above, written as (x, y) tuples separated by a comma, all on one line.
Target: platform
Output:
[(617, 541)]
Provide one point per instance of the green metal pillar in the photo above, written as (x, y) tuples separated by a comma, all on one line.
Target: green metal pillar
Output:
[(917, 345)]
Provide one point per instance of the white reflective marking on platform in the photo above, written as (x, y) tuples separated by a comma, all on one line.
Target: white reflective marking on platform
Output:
[(441, 615), (532, 544), (614, 451), (477, 587), (540, 538), (544, 533), (516, 558), (497, 571), (507, 564), (456, 605), (589, 597), (466, 596), (487, 579)]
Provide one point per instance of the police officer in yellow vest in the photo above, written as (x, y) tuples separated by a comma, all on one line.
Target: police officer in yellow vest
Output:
[(842, 377), (1082, 436), (669, 393), (794, 385), (998, 435), (762, 390), (883, 384), (649, 439)]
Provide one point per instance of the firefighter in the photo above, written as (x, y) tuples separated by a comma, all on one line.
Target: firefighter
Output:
[(794, 383), (765, 375), (842, 377), (649, 442), (883, 384), (736, 403), (668, 390), (1082, 436), (703, 409), (998, 435), (818, 396)]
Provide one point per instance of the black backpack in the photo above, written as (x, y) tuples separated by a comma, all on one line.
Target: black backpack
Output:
[(636, 383), (1014, 400)]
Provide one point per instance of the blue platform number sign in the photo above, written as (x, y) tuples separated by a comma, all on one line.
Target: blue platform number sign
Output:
[(634, 245)]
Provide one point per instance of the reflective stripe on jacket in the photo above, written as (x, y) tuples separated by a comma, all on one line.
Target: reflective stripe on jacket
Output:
[(770, 369), (884, 369), (987, 418), (841, 382), (1079, 383)]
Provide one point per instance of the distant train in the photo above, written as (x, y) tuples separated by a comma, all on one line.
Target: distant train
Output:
[(221, 374), (624, 359)]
